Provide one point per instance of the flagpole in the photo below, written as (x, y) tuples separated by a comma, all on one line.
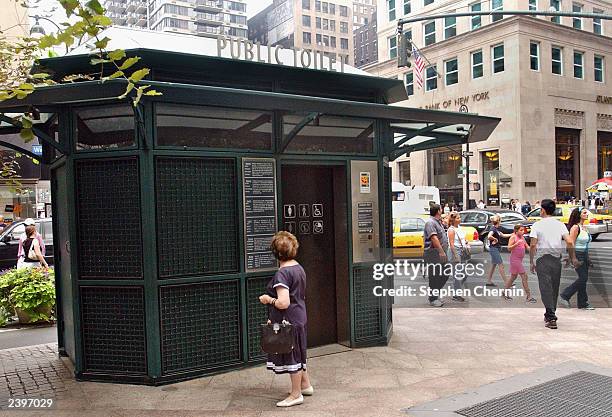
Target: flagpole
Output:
[(427, 60)]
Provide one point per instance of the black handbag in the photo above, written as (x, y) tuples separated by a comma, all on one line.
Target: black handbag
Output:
[(277, 338)]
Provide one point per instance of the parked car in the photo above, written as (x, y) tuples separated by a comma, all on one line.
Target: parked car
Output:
[(9, 241), (481, 221), (596, 224), (408, 237)]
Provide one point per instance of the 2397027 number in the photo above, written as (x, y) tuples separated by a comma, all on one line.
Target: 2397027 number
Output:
[(30, 402)]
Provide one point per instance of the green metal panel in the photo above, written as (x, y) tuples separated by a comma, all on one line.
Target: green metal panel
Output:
[(200, 325), (257, 315), (196, 201), (114, 338), (108, 209), (368, 307)]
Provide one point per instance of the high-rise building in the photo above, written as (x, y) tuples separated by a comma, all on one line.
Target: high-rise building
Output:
[(362, 12), (323, 26), (547, 78), (194, 17), (365, 38)]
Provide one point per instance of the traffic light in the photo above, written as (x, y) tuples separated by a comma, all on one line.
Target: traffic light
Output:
[(404, 50)]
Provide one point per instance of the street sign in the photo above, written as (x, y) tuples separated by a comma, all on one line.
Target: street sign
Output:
[(473, 171), (468, 153)]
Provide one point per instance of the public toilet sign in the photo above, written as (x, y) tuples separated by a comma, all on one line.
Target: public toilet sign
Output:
[(246, 50)]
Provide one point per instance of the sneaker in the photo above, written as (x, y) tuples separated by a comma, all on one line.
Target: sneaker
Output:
[(565, 302), (459, 298), (588, 308), (290, 402), (531, 300), (436, 303), (552, 324)]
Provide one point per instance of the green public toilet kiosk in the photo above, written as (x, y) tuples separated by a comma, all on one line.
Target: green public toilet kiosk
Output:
[(163, 212)]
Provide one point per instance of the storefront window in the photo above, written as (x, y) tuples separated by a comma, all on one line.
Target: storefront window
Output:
[(567, 144), (213, 127), (331, 134), (490, 170), (446, 167), (105, 127), (604, 147)]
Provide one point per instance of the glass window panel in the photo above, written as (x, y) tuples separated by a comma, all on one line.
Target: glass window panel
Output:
[(105, 127), (476, 20), (213, 127)]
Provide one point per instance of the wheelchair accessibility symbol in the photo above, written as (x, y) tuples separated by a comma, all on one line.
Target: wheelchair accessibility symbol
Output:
[(317, 210)]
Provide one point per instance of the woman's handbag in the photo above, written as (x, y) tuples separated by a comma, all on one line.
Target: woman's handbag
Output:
[(465, 252), (277, 338)]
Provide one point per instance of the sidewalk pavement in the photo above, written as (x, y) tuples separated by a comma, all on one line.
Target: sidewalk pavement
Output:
[(434, 353)]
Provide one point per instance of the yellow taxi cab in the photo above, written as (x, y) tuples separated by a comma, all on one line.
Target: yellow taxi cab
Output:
[(408, 239), (596, 223)]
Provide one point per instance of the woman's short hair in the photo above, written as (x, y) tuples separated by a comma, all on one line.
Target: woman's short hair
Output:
[(284, 246), (453, 216), (30, 230), (495, 219)]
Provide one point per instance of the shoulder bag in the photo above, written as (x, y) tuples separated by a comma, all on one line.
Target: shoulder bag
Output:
[(277, 338), (465, 252)]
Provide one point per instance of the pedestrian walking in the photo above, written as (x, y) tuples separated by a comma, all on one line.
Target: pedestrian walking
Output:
[(481, 205), (582, 238), (517, 245), (286, 299), (33, 257), (436, 246), (495, 251), (549, 238), (447, 209), (458, 250), (518, 207), (21, 254), (526, 208)]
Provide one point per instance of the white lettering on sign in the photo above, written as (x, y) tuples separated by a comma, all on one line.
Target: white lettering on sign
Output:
[(244, 49)]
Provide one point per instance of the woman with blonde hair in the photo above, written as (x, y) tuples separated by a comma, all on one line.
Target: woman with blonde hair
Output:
[(458, 249), (286, 299)]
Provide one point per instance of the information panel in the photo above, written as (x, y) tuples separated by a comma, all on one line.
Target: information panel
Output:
[(259, 196)]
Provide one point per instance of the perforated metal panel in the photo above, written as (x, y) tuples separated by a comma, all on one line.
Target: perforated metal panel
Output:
[(387, 213), (368, 308), (582, 394), (108, 219), (114, 329), (200, 325), (197, 216), (257, 314)]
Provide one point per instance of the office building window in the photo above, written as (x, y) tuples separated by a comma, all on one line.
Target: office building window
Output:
[(317, 5), (533, 5), (498, 58), (318, 22), (325, 40), (597, 28), (604, 146), (431, 78), (319, 39), (305, 4), (332, 25), (410, 83), (534, 56), (427, 2), (598, 66), (332, 41), (429, 30), (344, 43), (556, 5), (392, 47), (325, 7), (477, 64), (557, 60), (578, 65), (343, 11), (307, 38), (451, 69), (577, 21), (567, 147), (407, 7), (391, 9), (332, 8), (476, 20), (450, 27), (305, 20), (497, 5), (343, 27), (325, 24)]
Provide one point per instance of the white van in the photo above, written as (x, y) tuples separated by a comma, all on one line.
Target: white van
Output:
[(414, 199)]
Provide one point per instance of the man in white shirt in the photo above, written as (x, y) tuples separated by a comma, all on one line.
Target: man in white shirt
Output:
[(549, 239)]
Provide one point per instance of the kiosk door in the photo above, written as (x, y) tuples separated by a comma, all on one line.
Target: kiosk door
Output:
[(308, 212)]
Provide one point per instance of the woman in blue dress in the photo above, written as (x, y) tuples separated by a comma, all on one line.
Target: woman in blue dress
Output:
[(286, 299)]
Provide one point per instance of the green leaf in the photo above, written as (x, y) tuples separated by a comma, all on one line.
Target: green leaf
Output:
[(40, 76), (153, 93), (26, 123), (95, 6), (129, 88), (103, 20), (139, 75), (47, 41), (116, 55), (129, 62), (97, 61), (102, 43), (26, 86), (26, 134), (114, 75)]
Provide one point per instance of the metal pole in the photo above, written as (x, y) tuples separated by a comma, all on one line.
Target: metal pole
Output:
[(406, 20), (466, 203)]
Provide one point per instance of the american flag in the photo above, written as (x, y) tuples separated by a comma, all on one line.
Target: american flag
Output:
[(419, 65)]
